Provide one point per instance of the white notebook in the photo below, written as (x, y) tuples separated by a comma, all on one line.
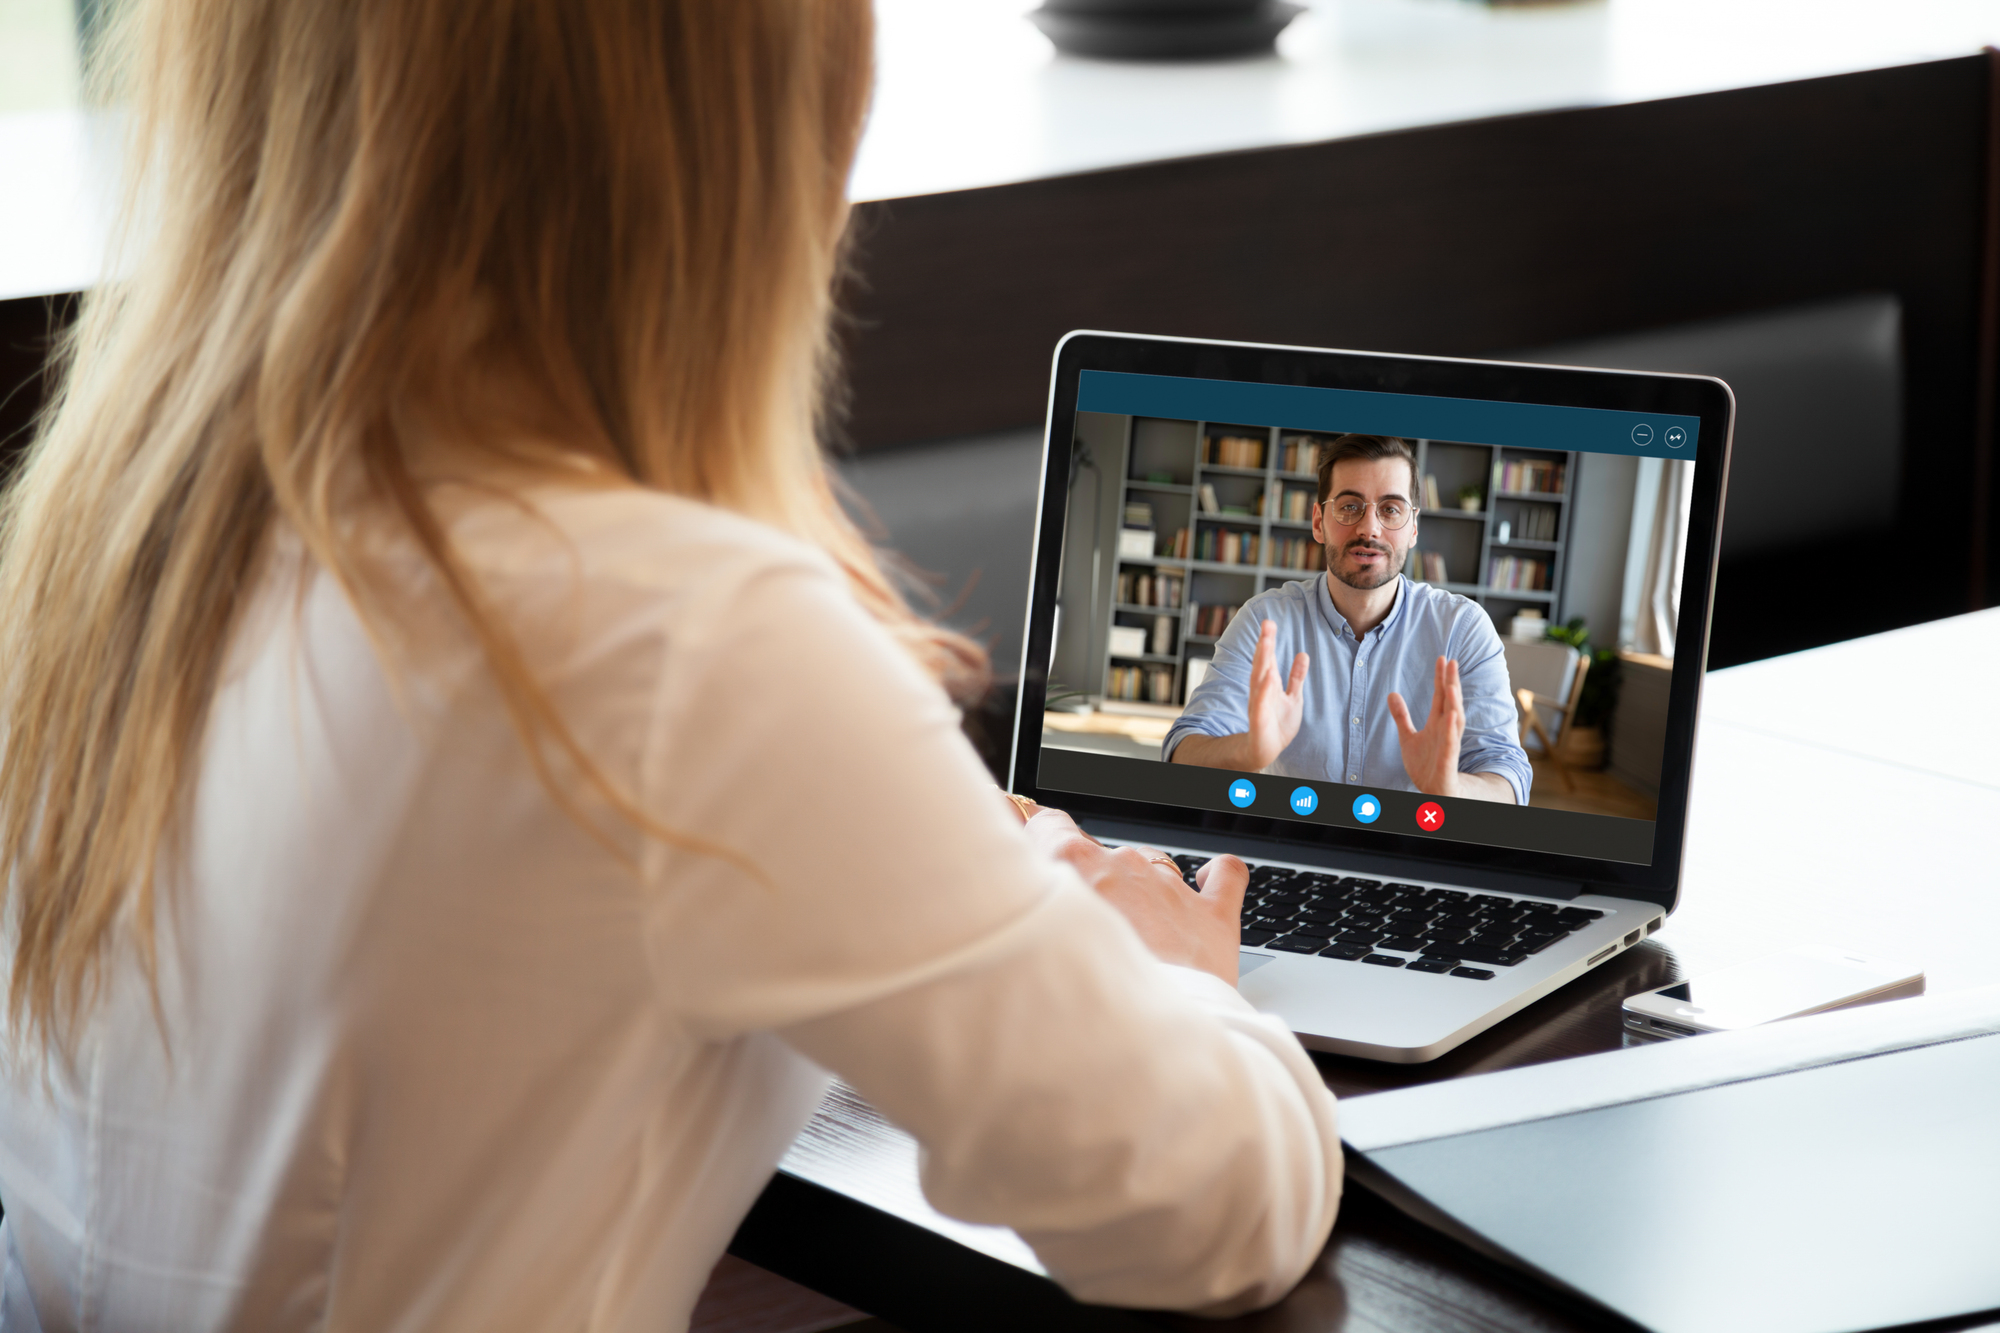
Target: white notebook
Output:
[(1832, 1173)]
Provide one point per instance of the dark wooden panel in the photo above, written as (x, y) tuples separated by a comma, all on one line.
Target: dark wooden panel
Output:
[(1471, 239), (28, 329)]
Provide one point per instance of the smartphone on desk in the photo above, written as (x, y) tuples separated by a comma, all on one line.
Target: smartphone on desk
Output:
[(1806, 980)]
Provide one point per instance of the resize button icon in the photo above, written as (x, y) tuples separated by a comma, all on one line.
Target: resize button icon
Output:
[(1430, 816), (1676, 436)]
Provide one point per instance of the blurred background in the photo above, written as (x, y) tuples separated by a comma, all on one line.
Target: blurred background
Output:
[(1797, 197)]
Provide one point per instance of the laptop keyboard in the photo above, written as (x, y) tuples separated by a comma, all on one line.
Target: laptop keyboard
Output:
[(1391, 924)]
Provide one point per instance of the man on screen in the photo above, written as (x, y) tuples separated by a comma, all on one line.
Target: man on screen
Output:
[(1372, 655)]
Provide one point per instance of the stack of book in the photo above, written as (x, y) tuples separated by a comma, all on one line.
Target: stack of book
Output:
[(1518, 573), (1228, 547), (1301, 454), (1295, 552), (1140, 589), (1535, 523), (1149, 684), (1138, 514), (1427, 567), (1210, 621), (1235, 451), (1540, 475)]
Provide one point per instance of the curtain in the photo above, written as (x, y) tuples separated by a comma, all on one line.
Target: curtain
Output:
[(1666, 552)]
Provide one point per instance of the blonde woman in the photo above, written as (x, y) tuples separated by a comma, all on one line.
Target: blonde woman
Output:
[(465, 779)]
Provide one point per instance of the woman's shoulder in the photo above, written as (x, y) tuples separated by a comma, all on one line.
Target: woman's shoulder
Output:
[(630, 536)]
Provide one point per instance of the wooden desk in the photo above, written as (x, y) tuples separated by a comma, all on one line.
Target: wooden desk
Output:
[(1847, 795)]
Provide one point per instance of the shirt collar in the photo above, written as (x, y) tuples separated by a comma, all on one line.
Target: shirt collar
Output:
[(1339, 622)]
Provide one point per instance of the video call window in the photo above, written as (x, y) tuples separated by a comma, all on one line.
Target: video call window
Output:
[(1550, 576)]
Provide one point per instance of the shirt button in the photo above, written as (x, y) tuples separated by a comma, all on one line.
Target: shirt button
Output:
[(1357, 721), (1354, 777)]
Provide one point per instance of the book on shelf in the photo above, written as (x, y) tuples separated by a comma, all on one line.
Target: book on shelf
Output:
[(1431, 500), (1227, 547), (1163, 636), (1301, 454), (1160, 588), (1541, 475), (1209, 504), (1178, 548), (1517, 573), (1295, 553), (1235, 451), (1210, 621), (1149, 684), (1138, 514), (1298, 504), (1534, 523), (1432, 567)]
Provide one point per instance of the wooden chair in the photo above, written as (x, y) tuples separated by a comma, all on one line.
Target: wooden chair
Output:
[(1548, 681)]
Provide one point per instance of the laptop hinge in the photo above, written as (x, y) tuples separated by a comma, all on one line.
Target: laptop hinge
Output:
[(1335, 858)]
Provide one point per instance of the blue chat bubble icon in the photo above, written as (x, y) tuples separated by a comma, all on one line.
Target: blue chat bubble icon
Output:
[(1367, 808)]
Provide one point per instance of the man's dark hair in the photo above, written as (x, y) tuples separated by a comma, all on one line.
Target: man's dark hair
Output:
[(1369, 447)]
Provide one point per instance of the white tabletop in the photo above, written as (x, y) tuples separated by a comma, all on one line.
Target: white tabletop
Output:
[(1858, 780), (969, 94)]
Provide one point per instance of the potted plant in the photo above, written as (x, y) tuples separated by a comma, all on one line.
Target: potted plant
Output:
[(1469, 499), (1582, 743)]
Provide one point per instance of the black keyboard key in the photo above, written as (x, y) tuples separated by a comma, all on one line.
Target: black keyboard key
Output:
[(1296, 944), (1324, 915), (1579, 914), (1267, 874), (1474, 953), (1536, 946), (1489, 940), (1542, 933), (1358, 936), (1383, 960), (1346, 952), (1352, 883), (1253, 936), (1446, 941), (1488, 900), (1411, 888), (1430, 965), (1476, 973), (1451, 895), (1312, 930), (1403, 943), (1189, 863)]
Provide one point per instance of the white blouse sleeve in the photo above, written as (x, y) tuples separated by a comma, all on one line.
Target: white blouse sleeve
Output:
[(1158, 1142)]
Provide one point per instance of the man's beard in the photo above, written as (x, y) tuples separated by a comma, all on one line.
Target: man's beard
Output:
[(1368, 580)]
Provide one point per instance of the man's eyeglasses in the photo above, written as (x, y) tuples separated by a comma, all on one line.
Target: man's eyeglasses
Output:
[(1393, 513)]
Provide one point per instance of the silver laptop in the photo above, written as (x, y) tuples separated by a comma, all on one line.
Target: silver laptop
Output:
[(1421, 640)]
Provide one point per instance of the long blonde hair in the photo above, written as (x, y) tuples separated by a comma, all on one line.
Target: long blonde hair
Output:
[(633, 208)]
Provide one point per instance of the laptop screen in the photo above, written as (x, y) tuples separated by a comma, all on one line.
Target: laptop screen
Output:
[(1446, 618)]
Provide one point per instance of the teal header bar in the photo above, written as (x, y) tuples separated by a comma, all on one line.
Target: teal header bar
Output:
[(1414, 416)]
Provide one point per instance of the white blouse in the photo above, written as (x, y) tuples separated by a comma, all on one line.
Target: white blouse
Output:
[(435, 1057)]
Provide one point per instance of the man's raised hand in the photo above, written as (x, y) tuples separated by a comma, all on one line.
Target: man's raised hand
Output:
[(1430, 756), (1275, 709)]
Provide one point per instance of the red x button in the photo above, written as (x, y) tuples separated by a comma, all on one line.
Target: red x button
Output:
[(1430, 816)]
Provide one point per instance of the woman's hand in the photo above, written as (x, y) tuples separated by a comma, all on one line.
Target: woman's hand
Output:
[(1194, 929)]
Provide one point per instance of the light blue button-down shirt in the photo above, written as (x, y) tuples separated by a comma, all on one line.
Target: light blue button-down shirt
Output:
[(1346, 734)]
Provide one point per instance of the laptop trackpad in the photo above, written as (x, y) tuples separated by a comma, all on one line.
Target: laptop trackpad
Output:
[(1247, 962)]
